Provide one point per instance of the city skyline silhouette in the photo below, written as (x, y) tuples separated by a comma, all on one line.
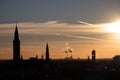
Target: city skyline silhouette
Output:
[(59, 40), (57, 69)]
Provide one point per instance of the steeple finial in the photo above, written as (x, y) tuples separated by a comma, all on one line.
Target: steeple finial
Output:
[(16, 23)]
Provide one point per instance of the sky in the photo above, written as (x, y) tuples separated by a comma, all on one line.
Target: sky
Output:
[(75, 24), (93, 11)]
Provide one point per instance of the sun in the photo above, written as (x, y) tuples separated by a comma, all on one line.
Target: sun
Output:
[(113, 27)]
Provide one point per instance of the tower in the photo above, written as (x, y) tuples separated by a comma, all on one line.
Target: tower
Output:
[(93, 55), (47, 53), (16, 45)]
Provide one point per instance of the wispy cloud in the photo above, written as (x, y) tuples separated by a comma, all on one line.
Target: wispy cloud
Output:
[(47, 27), (86, 23), (82, 37)]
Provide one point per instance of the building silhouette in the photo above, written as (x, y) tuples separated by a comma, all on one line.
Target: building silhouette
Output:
[(47, 53), (88, 59), (93, 55), (16, 45)]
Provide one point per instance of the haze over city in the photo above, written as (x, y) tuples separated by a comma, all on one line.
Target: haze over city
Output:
[(80, 25)]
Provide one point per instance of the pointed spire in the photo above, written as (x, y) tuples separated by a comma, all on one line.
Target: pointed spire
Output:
[(16, 35), (47, 45), (47, 49), (16, 30), (47, 52), (16, 45), (16, 23)]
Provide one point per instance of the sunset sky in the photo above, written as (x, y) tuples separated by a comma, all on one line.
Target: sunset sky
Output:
[(81, 25)]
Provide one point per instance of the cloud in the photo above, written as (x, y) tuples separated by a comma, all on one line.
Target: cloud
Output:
[(31, 31), (84, 37), (81, 37), (46, 27), (86, 23)]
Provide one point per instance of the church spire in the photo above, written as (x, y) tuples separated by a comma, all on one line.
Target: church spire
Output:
[(16, 45), (47, 53)]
